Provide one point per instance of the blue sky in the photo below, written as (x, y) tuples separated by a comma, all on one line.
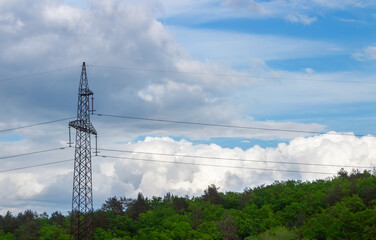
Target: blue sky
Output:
[(288, 64), (349, 28), (330, 43), (10, 138)]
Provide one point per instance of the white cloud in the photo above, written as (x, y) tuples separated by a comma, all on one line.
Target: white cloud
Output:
[(366, 54), (63, 15), (250, 5), (186, 179), (300, 18), (10, 24), (159, 92), (347, 20), (342, 4), (309, 70), (302, 11), (123, 177), (240, 49), (125, 34)]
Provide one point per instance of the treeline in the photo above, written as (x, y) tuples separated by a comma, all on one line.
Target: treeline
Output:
[(342, 207)]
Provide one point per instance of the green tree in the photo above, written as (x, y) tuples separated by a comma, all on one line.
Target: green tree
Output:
[(28, 231), (57, 218), (136, 207), (115, 205), (180, 204), (228, 227), (335, 194), (277, 233), (232, 200), (53, 232), (8, 223), (6, 236), (211, 194), (210, 228)]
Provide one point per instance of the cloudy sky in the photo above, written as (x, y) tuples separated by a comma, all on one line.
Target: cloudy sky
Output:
[(299, 65)]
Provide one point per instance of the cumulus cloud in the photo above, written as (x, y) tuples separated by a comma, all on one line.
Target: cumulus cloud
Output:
[(366, 54), (185, 179), (125, 177)]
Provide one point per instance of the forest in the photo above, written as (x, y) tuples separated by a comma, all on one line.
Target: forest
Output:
[(339, 207)]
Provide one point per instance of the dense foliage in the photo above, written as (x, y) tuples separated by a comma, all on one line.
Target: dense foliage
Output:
[(343, 207)]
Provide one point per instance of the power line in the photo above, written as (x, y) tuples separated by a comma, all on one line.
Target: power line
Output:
[(34, 166), (32, 153), (36, 124), (233, 159), (161, 161), (35, 74), (228, 75), (230, 126), (214, 165)]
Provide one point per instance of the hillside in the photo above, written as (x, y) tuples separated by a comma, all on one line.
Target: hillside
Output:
[(342, 207)]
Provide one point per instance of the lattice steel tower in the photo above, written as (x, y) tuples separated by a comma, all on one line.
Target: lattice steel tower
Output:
[(82, 197)]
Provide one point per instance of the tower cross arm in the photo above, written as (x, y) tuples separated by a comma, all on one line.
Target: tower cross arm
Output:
[(85, 92), (83, 126)]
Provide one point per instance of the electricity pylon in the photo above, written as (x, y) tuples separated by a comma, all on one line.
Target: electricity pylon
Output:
[(82, 197)]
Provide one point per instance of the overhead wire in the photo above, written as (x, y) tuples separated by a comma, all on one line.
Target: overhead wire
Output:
[(36, 74), (180, 122), (36, 124), (227, 75), (215, 165), (32, 153), (191, 123), (172, 121), (173, 162), (184, 163), (234, 159), (34, 166), (230, 126)]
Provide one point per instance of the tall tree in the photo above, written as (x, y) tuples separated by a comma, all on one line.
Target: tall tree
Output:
[(115, 205), (211, 194), (136, 207)]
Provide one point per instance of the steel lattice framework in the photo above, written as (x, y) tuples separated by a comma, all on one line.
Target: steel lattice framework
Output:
[(82, 197)]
